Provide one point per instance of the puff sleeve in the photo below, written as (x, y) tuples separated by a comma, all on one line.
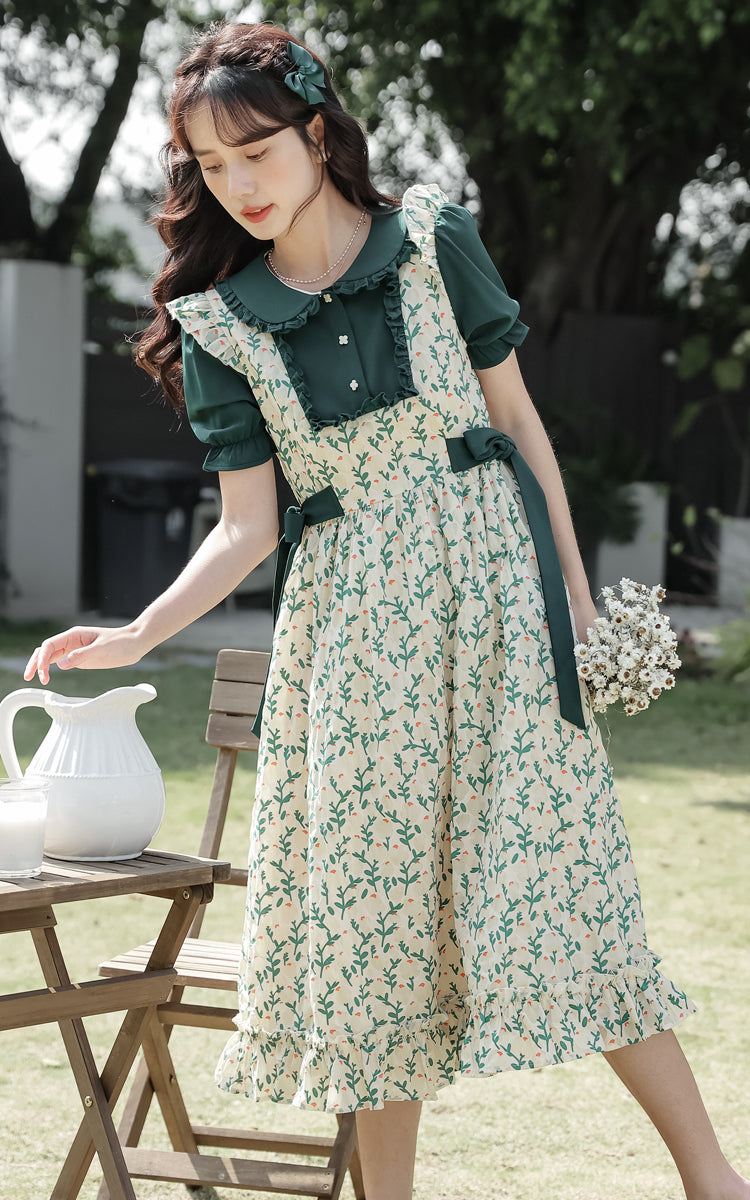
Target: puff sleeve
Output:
[(486, 315), (223, 411)]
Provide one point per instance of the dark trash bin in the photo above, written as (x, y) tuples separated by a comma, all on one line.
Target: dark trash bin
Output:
[(144, 512)]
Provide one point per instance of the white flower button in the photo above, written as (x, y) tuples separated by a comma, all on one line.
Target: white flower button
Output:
[(327, 297), (354, 385), (343, 339)]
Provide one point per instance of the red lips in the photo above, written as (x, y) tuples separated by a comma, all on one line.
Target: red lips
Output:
[(256, 214)]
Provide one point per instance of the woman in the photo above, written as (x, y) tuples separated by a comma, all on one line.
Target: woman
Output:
[(440, 879)]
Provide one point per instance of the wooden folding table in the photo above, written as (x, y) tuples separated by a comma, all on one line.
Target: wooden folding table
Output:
[(27, 904)]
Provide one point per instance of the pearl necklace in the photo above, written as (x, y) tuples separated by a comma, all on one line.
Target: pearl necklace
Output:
[(316, 278)]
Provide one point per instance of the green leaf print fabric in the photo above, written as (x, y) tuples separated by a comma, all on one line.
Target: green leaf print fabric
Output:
[(440, 877)]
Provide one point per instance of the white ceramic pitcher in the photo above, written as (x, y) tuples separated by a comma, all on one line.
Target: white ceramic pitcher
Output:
[(106, 800)]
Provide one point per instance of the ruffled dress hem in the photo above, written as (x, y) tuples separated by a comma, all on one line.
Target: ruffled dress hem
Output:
[(514, 1029)]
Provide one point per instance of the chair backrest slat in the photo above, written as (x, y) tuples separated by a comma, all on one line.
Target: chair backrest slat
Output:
[(243, 666), (240, 699), (223, 730), (235, 698)]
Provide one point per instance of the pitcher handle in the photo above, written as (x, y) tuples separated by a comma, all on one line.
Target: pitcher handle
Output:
[(23, 698)]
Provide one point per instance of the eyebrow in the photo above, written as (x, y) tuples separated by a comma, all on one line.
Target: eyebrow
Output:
[(263, 137)]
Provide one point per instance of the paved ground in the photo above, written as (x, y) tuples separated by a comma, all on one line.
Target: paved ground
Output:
[(252, 628), (243, 629), (702, 621)]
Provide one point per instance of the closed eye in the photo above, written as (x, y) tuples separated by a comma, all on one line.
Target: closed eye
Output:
[(213, 168)]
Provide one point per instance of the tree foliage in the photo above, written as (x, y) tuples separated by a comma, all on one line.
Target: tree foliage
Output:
[(581, 120), (85, 56)]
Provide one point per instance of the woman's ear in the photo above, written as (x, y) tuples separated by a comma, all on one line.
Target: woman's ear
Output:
[(316, 129)]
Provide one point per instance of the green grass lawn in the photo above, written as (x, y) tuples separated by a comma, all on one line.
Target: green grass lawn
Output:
[(564, 1133)]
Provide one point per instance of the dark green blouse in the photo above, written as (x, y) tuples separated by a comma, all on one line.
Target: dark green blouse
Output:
[(344, 348)]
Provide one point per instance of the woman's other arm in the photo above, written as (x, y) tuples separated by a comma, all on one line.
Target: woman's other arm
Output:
[(246, 534), (512, 411)]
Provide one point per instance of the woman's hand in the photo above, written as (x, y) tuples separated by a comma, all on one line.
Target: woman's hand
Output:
[(584, 615), (245, 536), (89, 647)]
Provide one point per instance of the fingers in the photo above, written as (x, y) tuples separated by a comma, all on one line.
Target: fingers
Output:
[(74, 658), (38, 664), (58, 650)]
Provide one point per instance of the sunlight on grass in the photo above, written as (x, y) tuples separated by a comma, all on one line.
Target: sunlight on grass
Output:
[(570, 1133)]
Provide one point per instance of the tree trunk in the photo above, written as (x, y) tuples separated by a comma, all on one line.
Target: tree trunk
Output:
[(600, 260), (60, 239), (19, 236)]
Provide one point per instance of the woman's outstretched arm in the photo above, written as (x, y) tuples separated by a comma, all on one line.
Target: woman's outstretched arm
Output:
[(245, 535), (512, 411)]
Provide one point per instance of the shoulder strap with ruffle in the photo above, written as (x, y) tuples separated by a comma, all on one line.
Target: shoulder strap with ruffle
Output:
[(421, 205), (206, 318)]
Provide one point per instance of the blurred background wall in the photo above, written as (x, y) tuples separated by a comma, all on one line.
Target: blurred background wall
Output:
[(604, 150)]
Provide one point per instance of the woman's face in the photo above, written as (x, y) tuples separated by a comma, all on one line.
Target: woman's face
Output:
[(262, 184)]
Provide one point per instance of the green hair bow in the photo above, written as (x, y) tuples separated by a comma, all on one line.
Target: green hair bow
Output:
[(309, 78)]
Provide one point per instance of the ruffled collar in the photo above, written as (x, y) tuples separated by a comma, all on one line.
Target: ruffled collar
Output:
[(260, 297)]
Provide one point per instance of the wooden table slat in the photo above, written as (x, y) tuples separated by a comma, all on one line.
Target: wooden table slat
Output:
[(68, 881), (28, 904), (23, 919), (46, 1005)]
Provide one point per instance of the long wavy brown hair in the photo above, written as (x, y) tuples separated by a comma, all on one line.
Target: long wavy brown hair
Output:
[(238, 70)]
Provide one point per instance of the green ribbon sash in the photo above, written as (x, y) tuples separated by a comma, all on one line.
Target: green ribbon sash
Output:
[(323, 506), (476, 446), (484, 444)]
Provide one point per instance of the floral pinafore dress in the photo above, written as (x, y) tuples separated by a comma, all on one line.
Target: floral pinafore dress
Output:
[(440, 878)]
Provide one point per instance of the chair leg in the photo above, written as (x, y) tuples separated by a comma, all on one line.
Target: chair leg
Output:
[(169, 1095), (355, 1172), (344, 1155), (167, 1088), (138, 1103)]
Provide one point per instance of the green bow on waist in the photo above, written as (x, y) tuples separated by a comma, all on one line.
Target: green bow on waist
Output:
[(484, 444), (323, 506)]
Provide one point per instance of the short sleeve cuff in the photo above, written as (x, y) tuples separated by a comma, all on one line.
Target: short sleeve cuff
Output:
[(487, 317), (223, 412), (497, 347), (239, 455)]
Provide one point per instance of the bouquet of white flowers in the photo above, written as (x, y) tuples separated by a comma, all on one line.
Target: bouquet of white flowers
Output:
[(630, 654)]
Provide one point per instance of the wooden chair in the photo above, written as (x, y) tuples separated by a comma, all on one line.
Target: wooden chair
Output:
[(235, 697)]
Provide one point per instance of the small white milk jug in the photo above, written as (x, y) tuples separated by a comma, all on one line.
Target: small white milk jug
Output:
[(106, 800)]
